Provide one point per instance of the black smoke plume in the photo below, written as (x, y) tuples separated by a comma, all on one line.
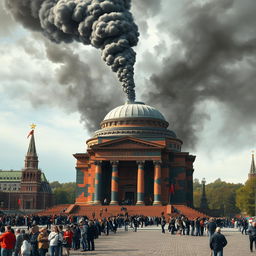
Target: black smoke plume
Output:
[(105, 24), (213, 59)]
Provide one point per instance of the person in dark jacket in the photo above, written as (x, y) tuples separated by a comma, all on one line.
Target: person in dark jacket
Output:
[(218, 242), (211, 227), (33, 240), (91, 231), (252, 235)]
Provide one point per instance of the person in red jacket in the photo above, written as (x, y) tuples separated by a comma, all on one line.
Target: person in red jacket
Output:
[(8, 241)]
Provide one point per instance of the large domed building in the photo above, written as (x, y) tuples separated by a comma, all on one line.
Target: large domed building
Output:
[(134, 159)]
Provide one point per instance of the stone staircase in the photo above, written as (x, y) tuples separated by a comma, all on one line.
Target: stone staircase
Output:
[(101, 211), (189, 212)]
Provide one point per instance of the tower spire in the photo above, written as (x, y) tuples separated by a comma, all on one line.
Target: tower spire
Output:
[(252, 172), (252, 169), (31, 159)]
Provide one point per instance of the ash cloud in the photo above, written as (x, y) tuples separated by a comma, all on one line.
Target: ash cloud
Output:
[(213, 59), (105, 24)]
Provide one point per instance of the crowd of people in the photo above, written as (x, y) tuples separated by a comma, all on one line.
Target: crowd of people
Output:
[(58, 234)]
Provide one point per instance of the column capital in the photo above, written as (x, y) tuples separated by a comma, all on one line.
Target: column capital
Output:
[(158, 162), (97, 162), (141, 163), (114, 163)]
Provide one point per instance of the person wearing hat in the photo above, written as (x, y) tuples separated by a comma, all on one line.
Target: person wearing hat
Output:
[(252, 235), (43, 242), (218, 242)]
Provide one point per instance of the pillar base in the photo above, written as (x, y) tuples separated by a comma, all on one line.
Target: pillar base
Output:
[(157, 203), (140, 203), (114, 203), (97, 202)]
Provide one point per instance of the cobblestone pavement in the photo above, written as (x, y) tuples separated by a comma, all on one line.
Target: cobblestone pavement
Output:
[(152, 242)]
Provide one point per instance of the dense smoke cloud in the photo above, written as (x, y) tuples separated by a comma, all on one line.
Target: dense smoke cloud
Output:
[(104, 24), (213, 59)]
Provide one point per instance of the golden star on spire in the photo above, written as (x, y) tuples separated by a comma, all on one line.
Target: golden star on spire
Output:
[(33, 126)]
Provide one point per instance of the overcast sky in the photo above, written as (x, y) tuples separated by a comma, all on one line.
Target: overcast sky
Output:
[(195, 63)]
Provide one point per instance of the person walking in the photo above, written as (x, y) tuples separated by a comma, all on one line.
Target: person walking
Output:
[(218, 242), (252, 236), (7, 240)]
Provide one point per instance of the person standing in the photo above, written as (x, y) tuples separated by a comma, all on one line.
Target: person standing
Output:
[(67, 237), (218, 242), (19, 240), (54, 238), (43, 242), (252, 235), (26, 247), (33, 240), (7, 240), (91, 231)]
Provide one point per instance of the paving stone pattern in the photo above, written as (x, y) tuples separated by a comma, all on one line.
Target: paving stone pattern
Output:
[(150, 242)]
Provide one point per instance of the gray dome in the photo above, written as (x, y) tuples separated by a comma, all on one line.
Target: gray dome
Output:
[(134, 109)]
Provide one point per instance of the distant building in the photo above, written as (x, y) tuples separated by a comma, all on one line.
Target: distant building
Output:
[(26, 189), (252, 172)]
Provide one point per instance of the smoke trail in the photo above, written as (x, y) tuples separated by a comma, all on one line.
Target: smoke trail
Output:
[(105, 24)]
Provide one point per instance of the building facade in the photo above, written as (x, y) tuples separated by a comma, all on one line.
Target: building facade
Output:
[(26, 189), (134, 159)]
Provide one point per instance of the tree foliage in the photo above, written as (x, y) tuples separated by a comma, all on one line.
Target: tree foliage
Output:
[(64, 192), (245, 197), (220, 196)]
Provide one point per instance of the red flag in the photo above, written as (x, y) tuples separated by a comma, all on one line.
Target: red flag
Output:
[(30, 133), (172, 189), (19, 202)]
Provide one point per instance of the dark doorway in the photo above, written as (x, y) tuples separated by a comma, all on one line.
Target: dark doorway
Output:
[(129, 198), (106, 182), (27, 205), (149, 182)]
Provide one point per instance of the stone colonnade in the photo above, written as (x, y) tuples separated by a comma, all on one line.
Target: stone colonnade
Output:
[(140, 183)]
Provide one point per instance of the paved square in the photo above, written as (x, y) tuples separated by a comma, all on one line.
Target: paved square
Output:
[(152, 242)]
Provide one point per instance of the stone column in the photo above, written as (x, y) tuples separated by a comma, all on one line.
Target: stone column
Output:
[(157, 183), (140, 184), (114, 183), (97, 184)]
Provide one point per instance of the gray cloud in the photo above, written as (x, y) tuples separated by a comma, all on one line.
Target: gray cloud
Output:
[(213, 59)]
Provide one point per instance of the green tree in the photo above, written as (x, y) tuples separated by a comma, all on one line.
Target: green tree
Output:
[(220, 196), (245, 197), (64, 192)]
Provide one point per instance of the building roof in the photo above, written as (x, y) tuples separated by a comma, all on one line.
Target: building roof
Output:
[(14, 175), (133, 110)]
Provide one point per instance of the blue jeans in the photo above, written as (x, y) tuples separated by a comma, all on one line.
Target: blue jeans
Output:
[(6, 252), (219, 253), (54, 250)]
